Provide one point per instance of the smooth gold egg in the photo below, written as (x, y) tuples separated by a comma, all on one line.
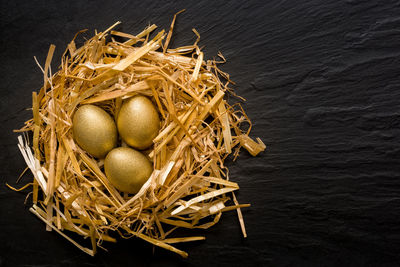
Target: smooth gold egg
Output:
[(138, 122), (94, 130), (127, 169)]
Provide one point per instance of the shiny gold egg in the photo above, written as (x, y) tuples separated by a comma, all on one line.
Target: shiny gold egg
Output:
[(138, 122), (127, 169), (94, 130)]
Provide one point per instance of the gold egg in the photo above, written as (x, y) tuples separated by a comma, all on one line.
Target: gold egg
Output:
[(138, 122), (94, 130), (127, 169)]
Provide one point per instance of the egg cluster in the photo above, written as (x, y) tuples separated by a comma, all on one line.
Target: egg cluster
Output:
[(137, 124)]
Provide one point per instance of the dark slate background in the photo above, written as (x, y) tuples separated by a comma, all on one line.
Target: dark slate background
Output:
[(321, 79)]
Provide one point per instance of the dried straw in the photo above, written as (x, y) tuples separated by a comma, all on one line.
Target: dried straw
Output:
[(189, 186)]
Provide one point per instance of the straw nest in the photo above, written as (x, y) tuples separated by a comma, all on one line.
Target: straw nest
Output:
[(189, 186)]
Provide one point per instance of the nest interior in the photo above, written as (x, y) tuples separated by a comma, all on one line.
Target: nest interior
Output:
[(189, 186)]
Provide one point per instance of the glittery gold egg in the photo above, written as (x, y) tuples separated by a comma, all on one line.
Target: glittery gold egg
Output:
[(127, 169), (138, 122), (94, 130)]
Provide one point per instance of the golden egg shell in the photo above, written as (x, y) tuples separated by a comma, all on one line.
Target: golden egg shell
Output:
[(127, 169), (94, 130), (138, 122)]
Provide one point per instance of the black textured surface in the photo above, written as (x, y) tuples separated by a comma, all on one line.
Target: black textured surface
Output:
[(322, 83)]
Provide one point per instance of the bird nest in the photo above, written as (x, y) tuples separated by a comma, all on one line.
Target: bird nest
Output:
[(189, 187)]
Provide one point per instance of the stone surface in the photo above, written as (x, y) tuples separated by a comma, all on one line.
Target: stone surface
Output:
[(321, 79)]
